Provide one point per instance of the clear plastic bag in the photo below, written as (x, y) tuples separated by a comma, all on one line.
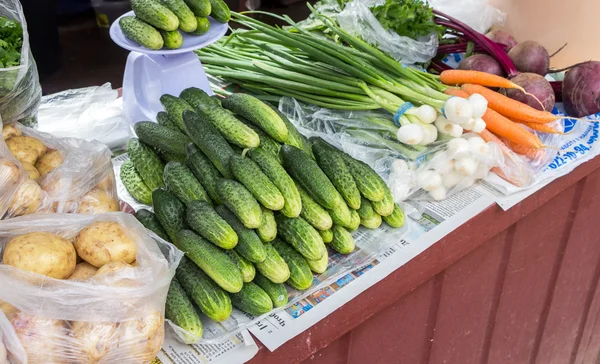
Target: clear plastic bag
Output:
[(83, 180), (478, 14), (116, 317), (357, 19), (20, 90)]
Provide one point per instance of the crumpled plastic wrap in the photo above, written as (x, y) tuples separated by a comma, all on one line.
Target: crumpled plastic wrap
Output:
[(478, 14), (83, 182), (117, 317), (357, 19), (20, 89)]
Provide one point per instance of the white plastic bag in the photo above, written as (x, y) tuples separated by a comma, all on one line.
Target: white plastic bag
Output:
[(478, 14), (20, 90), (357, 19), (84, 182), (116, 317)]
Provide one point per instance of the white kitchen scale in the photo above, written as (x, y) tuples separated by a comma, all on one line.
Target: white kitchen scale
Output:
[(151, 73)]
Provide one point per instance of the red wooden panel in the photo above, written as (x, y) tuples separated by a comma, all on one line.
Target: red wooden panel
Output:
[(335, 353), (468, 295), (531, 272), (576, 281), (400, 334), (589, 344)]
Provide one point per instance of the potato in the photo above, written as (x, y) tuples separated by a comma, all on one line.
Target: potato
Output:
[(26, 149), (3, 352), (111, 268), (93, 340), (97, 202), (103, 242), (9, 131), (7, 308), (118, 272), (43, 253), (10, 174), (107, 183), (142, 338), (45, 341), (83, 271), (27, 200), (33, 172), (48, 162)]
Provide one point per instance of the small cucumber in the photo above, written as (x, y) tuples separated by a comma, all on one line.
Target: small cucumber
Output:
[(200, 8), (244, 265), (366, 209), (267, 231), (175, 107), (212, 260), (313, 213), (385, 207), (220, 11), (342, 242), (266, 142), (256, 111), (273, 267), (294, 139), (172, 39), (372, 222), (187, 20), (160, 137), (369, 183), (276, 291), (203, 26), (250, 175), (169, 212), (150, 222), (204, 171), (180, 310), (249, 245), (155, 14), (396, 219), (302, 236), (146, 163), (241, 202), (326, 235), (140, 32), (169, 157), (252, 299), (183, 184), (301, 276), (204, 220), (319, 266), (342, 215), (163, 118), (134, 184), (354, 221)]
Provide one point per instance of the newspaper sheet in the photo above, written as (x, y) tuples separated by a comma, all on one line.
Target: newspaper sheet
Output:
[(437, 220)]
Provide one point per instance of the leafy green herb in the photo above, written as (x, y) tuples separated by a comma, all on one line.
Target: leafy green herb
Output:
[(410, 18), (11, 42)]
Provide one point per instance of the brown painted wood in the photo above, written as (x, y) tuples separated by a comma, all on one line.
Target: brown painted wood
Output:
[(536, 274)]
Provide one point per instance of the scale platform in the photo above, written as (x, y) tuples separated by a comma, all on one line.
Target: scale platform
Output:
[(151, 73)]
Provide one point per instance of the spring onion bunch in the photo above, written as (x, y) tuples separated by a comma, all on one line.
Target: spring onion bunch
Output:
[(269, 61)]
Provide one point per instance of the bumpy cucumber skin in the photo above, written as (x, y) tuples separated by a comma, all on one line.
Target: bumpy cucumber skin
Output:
[(169, 212), (276, 291), (155, 14), (385, 207), (342, 242), (302, 236), (396, 218), (140, 32), (183, 184), (249, 245), (273, 267), (150, 222), (313, 213), (180, 310), (372, 222), (241, 202), (204, 170), (251, 176), (220, 11), (172, 39), (366, 209), (326, 235), (257, 113), (267, 231), (204, 220), (187, 20), (301, 276), (160, 137), (252, 299), (319, 266), (175, 107), (200, 8), (135, 184), (244, 265), (203, 26), (146, 163)]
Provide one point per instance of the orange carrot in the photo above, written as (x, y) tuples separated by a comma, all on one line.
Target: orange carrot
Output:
[(522, 150), (459, 77), (540, 127), (509, 107), (456, 92), (490, 137)]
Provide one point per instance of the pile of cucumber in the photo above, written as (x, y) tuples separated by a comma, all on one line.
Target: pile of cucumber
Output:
[(252, 202), (157, 23)]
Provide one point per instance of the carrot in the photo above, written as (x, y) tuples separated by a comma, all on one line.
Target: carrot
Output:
[(459, 77), (540, 127), (509, 107), (522, 150), (456, 92), (490, 137)]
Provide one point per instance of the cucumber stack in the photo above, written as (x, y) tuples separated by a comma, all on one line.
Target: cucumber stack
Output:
[(250, 206), (157, 23)]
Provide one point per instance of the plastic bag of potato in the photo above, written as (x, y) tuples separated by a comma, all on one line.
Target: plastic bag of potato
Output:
[(84, 288), (42, 173)]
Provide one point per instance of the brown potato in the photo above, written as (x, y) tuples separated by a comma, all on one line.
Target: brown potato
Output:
[(9, 131), (45, 341), (93, 340), (83, 271), (107, 183), (27, 200), (111, 268), (97, 202), (26, 149), (43, 253), (7, 308), (142, 338), (33, 172), (48, 162), (10, 173), (103, 242)]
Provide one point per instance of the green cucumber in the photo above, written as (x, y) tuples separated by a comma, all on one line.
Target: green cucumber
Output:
[(200, 8), (342, 242), (197, 98), (366, 209), (342, 215), (252, 299), (267, 231), (204, 220), (372, 222), (385, 207), (354, 221), (187, 20), (183, 184), (266, 142), (134, 184), (313, 213), (302, 236), (319, 266), (175, 107), (369, 183), (255, 111), (203, 26), (170, 157), (281, 179), (212, 260), (150, 222), (244, 265), (335, 169), (276, 291), (310, 177), (172, 39), (396, 219), (204, 170), (163, 118), (169, 212), (249, 245), (212, 300), (273, 267), (251, 176), (160, 137), (140, 32), (210, 142), (180, 310), (240, 201), (155, 14), (326, 235), (220, 11), (301, 276), (294, 139), (146, 163)]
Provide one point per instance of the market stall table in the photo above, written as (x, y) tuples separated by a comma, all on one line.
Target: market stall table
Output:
[(519, 286)]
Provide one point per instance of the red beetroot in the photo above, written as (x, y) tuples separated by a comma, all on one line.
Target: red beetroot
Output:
[(503, 37), (482, 63), (530, 56), (581, 89), (535, 85)]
